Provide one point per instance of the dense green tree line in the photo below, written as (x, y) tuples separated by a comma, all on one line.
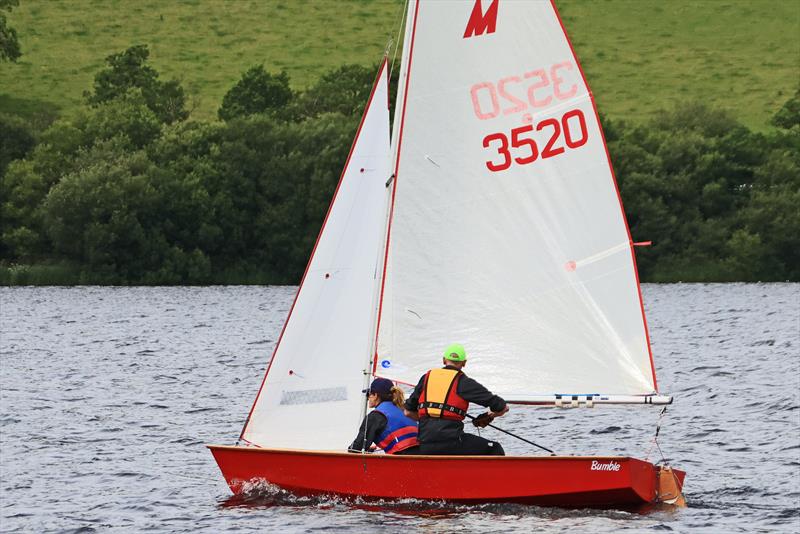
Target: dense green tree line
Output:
[(130, 190), (721, 203)]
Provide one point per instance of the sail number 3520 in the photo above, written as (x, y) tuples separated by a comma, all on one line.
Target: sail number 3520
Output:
[(521, 148)]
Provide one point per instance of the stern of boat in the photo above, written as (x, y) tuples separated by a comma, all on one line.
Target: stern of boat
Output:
[(669, 486)]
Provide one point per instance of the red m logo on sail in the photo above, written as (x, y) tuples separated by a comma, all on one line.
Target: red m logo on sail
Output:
[(480, 23)]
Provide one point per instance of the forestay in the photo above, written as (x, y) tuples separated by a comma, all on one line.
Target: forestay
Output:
[(311, 395), (507, 232)]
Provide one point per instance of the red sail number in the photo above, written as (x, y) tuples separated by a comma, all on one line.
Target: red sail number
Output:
[(526, 150), (517, 142), (502, 150)]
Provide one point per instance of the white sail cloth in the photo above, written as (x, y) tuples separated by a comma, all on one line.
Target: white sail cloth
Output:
[(519, 252), (312, 397)]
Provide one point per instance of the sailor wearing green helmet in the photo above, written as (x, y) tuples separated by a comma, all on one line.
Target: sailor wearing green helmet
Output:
[(440, 402)]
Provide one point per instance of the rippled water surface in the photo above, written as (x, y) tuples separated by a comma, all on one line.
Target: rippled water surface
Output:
[(107, 396)]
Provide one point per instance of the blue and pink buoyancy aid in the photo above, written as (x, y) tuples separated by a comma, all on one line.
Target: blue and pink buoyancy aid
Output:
[(400, 432)]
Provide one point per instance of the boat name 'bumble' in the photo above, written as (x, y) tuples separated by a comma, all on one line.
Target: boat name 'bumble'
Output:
[(599, 466)]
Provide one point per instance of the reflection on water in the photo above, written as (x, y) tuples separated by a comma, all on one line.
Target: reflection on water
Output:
[(107, 396)]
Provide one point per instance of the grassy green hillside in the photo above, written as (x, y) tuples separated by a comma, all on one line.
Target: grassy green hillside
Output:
[(639, 55), (206, 44)]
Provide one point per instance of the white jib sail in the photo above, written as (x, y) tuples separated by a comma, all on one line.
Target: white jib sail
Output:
[(311, 395), (507, 232)]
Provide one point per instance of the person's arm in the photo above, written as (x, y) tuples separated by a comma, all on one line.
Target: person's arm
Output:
[(412, 402), (375, 423), (472, 391)]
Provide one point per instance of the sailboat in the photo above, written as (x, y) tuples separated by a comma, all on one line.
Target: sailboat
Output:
[(490, 216)]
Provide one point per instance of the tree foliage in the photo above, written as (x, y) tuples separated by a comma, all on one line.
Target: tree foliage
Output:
[(9, 42), (715, 198), (257, 91), (16, 141), (788, 116), (343, 90), (128, 72)]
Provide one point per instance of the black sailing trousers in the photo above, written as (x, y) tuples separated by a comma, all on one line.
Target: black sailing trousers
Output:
[(467, 444)]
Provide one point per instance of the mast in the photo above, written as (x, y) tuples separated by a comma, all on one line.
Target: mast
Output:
[(391, 184)]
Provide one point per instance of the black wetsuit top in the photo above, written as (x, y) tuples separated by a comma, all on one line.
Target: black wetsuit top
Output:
[(375, 422), (436, 429)]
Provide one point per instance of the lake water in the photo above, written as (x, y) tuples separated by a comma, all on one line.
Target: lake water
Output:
[(108, 395)]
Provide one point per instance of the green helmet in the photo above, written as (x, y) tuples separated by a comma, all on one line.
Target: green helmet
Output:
[(455, 353)]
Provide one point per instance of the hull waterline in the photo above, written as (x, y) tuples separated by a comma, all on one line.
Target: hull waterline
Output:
[(567, 481)]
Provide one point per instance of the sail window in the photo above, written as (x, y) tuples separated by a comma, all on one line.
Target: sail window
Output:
[(312, 396)]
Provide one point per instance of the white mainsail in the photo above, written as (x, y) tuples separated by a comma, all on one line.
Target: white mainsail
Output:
[(507, 232), (316, 373)]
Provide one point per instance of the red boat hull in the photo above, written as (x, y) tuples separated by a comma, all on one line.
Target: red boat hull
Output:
[(549, 481)]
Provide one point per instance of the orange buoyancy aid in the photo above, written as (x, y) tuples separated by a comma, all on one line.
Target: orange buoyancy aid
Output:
[(440, 398)]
